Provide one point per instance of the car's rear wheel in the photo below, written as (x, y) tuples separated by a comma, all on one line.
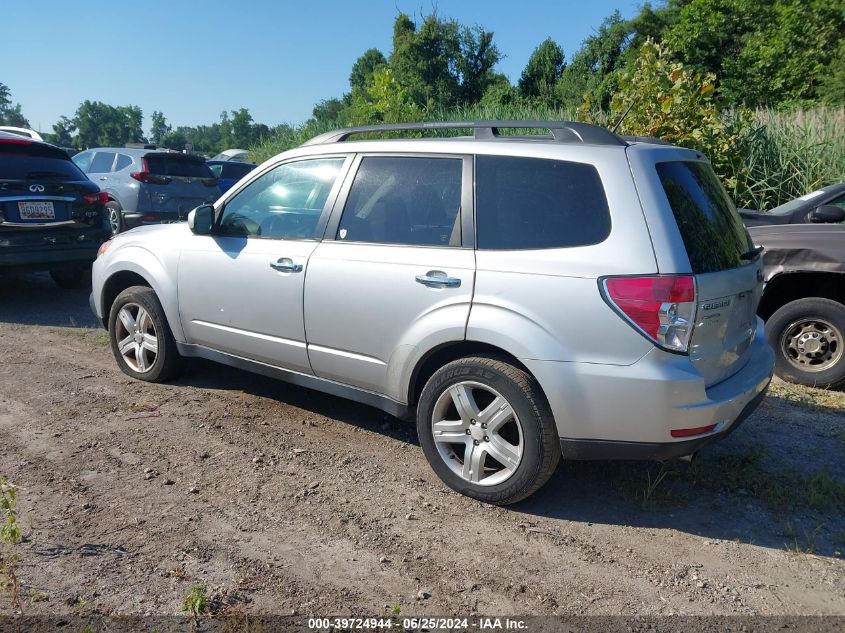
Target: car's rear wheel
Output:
[(141, 340), (487, 430), (70, 278), (115, 217), (808, 336)]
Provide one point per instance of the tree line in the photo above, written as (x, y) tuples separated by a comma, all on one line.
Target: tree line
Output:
[(772, 53)]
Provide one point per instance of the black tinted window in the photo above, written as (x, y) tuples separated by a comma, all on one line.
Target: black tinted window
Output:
[(712, 230), (524, 203), (177, 165), (235, 170), (101, 163), (123, 161), (397, 200), (36, 162)]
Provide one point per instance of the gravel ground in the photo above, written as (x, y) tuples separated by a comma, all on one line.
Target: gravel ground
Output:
[(283, 500)]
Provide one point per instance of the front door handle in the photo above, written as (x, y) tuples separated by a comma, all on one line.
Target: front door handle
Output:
[(103, 177), (438, 279), (286, 265)]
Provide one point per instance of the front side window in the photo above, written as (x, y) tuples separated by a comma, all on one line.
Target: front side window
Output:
[(404, 200), (529, 203), (83, 160), (284, 203)]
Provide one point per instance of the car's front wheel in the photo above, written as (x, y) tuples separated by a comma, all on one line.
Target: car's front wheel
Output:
[(487, 430), (141, 340), (807, 336)]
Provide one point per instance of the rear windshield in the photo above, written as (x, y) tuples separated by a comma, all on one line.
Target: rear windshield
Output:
[(712, 230), (236, 170), (36, 162), (527, 203), (176, 165)]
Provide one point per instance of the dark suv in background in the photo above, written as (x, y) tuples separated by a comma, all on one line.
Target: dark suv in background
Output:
[(52, 217), (146, 185)]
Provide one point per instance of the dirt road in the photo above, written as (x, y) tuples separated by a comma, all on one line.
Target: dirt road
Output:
[(283, 500)]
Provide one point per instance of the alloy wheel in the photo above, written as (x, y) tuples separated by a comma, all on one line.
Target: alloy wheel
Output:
[(137, 339), (477, 433)]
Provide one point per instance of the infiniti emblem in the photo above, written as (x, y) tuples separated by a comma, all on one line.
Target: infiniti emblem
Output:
[(36, 188)]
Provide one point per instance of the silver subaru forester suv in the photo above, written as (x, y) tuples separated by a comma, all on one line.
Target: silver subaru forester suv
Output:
[(575, 294)]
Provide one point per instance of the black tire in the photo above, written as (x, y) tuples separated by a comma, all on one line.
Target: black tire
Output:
[(541, 445), (167, 362), (72, 277), (783, 324), (115, 217)]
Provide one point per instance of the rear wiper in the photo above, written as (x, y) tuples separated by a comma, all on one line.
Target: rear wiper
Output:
[(753, 254)]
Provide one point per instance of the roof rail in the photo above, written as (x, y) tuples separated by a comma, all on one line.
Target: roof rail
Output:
[(561, 131)]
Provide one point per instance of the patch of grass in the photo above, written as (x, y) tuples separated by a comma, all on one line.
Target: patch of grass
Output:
[(71, 331), (10, 531), (102, 339), (780, 490), (196, 599), (808, 397), (805, 544)]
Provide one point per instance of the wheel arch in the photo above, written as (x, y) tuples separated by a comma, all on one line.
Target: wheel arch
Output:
[(790, 286), (445, 353), (142, 268)]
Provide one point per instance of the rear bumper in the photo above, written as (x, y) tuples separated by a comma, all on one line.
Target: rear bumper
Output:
[(48, 258), (628, 412)]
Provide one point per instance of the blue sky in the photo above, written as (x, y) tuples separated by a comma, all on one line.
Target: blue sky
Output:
[(192, 60)]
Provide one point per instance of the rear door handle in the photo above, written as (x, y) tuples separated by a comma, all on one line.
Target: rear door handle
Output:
[(438, 279), (286, 265)]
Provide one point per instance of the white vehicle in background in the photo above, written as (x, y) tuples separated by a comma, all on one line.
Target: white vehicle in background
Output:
[(21, 131), (239, 155)]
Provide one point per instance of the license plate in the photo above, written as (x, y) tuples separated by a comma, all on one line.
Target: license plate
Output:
[(36, 211)]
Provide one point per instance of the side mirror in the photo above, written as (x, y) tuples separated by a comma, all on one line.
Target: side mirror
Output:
[(827, 214), (201, 219)]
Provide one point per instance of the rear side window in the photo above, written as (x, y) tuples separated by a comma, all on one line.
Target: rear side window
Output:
[(176, 165), (404, 200), (712, 230), (36, 162), (102, 162), (527, 203)]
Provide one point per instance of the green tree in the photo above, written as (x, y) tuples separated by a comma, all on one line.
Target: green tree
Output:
[(765, 52), (10, 114), (383, 101), (363, 68), (542, 71), (158, 127), (62, 133), (331, 110), (832, 90), (661, 97), (100, 124)]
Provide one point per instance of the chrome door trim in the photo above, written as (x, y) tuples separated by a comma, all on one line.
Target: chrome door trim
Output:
[(258, 335)]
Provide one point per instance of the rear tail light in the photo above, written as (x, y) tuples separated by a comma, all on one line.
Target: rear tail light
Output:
[(662, 307), (15, 141), (93, 198), (151, 179), (210, 182)]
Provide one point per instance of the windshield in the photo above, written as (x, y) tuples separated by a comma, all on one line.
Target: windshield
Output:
[(789, 207), (28, 162)]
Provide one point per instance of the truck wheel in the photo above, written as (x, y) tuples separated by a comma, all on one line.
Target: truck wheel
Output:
[(807, 336), (487, 430)]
